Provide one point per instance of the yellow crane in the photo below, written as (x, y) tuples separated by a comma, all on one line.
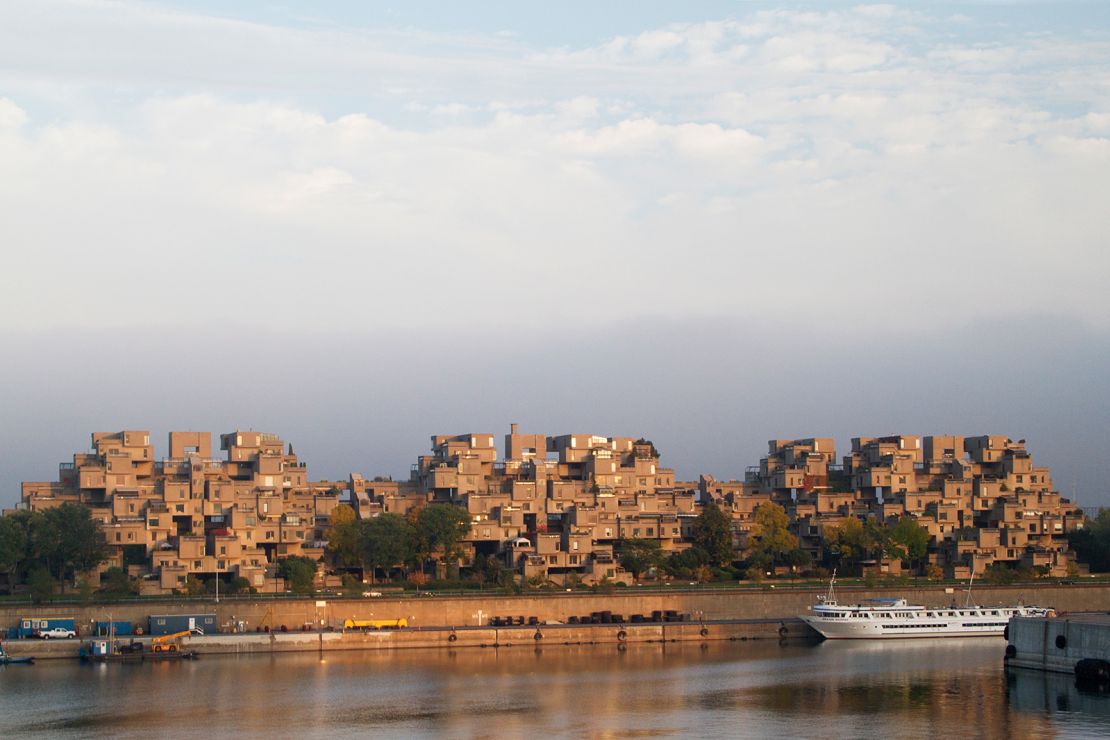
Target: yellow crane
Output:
[(168, 643)]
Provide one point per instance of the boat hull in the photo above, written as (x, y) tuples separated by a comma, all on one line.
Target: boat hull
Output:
[(8, 660), (841, 630)]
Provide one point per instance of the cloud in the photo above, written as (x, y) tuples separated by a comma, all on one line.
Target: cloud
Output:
[(783, 161)]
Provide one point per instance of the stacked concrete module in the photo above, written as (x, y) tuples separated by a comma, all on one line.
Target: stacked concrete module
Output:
[(554, 508), (193, 514)]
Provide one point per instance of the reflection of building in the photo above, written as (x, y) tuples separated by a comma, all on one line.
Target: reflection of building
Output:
[(988, 505), (554, 506), (192, 514)]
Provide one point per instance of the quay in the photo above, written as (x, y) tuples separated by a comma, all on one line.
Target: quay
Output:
[(531, 636), (278, 625), (1076, 644)]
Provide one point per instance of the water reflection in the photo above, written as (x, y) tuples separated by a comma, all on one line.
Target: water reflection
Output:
[(836, 689)]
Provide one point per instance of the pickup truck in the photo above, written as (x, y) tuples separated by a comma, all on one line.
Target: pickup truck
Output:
[(57, 633)]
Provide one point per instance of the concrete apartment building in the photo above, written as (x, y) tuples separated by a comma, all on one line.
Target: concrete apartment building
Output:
[(191, 513), (552, 507), (981, 498)]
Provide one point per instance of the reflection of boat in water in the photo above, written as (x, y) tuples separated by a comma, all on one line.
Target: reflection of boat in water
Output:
[(6, 659), (897, 618)]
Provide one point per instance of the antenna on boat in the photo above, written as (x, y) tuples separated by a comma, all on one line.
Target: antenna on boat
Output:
[(831, 597), (969, 583)]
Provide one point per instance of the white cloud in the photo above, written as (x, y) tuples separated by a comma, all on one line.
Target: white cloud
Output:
[(780, 161)]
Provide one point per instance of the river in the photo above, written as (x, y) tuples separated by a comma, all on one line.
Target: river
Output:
[(919, 689)]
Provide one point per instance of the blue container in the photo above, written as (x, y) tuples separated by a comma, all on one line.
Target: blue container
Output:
[(107, 629), (165, 624), (30, 626)]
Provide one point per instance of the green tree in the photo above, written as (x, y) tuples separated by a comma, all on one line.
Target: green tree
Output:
[(440, 528), (41, 584), (386, 541), (798, 558), (770, 534), (850, 542), (712, 534), (908, 540), (345, 538), (638, 555), (487, 569), (299, 573), (683, 564), (13, 542), (66, 540), (115, 582), (1092, 542)]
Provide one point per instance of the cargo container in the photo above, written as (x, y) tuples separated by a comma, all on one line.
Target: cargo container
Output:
[(107, 629), (31, 626), (164, 624)]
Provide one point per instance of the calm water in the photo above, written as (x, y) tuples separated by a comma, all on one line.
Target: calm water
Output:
[(897, 689)]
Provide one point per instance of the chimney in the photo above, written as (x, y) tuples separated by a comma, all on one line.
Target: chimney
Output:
[(512, 429)]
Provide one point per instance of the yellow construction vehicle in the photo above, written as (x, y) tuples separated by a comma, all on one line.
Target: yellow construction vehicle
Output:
[(167, 646)]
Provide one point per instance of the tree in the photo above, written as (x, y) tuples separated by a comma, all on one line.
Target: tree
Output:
[(115, 582), (908, 540), (64, 540), (345, 537), (798, 558), (712, 534), (13, 542), (69, 540), (386, 541), (487, 569), (440, 528), (1092, 542), (850, 542), (41, 584), (639, 555), (299, 573), (770, 535), (683, 564)]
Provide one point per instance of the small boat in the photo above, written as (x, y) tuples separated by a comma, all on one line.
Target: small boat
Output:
[(6, 659), (897, 618)]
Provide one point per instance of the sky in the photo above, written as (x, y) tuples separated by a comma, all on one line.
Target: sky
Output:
[(709, 223)]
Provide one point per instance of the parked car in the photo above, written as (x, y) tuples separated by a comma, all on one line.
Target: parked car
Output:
[(57, 633)]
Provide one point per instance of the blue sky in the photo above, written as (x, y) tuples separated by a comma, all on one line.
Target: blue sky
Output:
[(896, 201)]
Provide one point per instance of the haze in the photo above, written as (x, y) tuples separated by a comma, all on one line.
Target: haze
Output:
[(708, 225)]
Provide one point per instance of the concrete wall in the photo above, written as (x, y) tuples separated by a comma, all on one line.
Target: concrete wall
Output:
[(618, 635), (1057, 644)]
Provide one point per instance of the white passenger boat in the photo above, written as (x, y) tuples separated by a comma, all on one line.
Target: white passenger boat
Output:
[(887, 618)]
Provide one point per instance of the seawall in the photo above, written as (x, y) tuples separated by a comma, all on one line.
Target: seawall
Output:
[(726, 613)]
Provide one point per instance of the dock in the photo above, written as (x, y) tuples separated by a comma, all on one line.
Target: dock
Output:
[(1077, 644)]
